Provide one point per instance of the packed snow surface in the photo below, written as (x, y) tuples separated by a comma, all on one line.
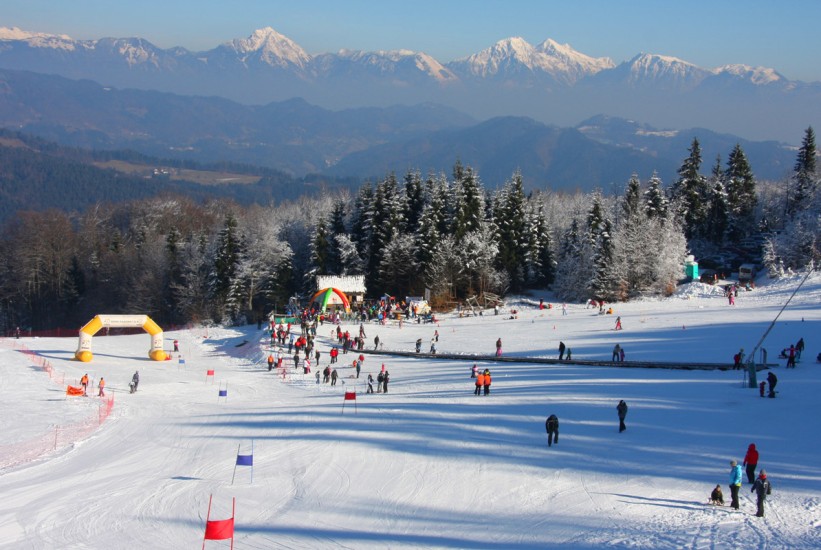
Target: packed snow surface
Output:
[(429, 464)]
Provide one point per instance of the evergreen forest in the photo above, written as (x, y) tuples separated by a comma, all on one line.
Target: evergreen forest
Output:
[(186, 259)]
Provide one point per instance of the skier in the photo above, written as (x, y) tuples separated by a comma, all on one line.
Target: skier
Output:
[(773, 380), (618, 323), (376, 342), (499, 347), (551, 425), (358, 364), (486, 382), (762, 488), (176, 345), (436, 335), (735, 482), (334, 376), (418, 345), (135, 381), (616, 353), (751, 461), (622, 410), (561, 350), (270, 362), (799, 347), (370, 383), (791, 357), (326, 375), (101, 385), (473, 371), (386, 379)]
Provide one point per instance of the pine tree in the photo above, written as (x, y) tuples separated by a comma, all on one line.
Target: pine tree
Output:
[(414, 200), (540, 258), (718, 212), (226, 258), (656, 203), (336, 229), (741, 197), (320, 249), (574, 269), (690, 193), (804, 183), (470, 205), (509, 221)]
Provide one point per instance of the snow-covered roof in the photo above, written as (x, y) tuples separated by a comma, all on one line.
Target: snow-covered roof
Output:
[(348, 284)]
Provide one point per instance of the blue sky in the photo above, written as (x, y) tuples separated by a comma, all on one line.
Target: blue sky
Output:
[(709, 33)]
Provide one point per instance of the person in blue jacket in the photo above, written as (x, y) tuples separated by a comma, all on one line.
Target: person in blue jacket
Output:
[(735, 482)]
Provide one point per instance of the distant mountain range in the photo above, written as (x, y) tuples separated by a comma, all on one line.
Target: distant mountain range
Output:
[(551, 82), (365, 143)]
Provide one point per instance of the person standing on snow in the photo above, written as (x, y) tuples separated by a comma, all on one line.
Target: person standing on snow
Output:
[(370, 383), (499, 347), (621, 408), (561, 350), (551, 426), (334, 376), (616, 353), (618, 323), (480, 382), (473, 371), (135, 381), (270, 362), (735, 483), (773, 380), (101, 385), (486, 382), (762, 488), (386, 379), (751, 461)]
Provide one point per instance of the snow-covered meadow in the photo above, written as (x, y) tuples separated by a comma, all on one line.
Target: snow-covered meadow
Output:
[(428, 464)]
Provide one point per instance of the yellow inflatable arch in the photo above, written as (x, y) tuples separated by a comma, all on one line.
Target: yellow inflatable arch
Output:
[(91, 328)]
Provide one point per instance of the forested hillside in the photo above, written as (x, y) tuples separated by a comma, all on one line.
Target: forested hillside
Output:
[(36, 175), (183, 260)]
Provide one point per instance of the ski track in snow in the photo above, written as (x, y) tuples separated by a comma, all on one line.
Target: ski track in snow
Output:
[(429, 464)]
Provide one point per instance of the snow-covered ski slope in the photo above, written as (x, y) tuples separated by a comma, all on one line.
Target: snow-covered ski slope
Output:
[(428, 465)]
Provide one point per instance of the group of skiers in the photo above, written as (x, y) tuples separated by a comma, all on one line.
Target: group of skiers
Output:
[(483, 380), (760, 485)]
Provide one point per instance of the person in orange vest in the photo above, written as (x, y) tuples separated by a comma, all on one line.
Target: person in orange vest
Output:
[(487, 381), (84, 383), (480, 382), (101, 385), (270, 362)]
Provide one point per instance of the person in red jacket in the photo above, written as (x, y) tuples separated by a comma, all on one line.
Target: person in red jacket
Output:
[(751, 461)]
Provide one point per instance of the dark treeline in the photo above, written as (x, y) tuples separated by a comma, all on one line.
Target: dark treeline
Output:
[(184, 260)]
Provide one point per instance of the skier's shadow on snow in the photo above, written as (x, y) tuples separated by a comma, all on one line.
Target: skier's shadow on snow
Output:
[(662, 502)]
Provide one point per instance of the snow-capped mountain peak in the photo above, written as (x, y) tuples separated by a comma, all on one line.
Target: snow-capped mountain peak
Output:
[(756, 75), (271, 47), (515, 55), (654, 68), (37, 39)]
